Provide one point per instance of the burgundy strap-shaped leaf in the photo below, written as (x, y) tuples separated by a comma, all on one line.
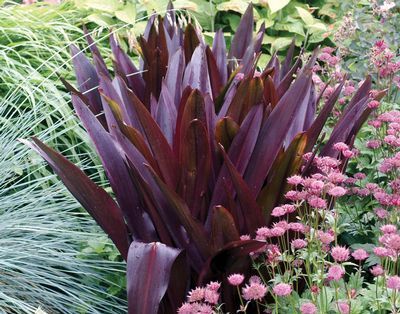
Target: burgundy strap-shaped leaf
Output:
[(225, 131), (248, 95), (193, 108), (251, 212), (190, 42), (288, 163), (243, 36), (219, 52), (124, 66), (180, 210), (196, 162), (223, 228), (215, 76), (174, 76), (239, 153), (196, 73), (166, 114), (98, 61), (345, 129), (116, 171), (88, 82), (274, 130), (148, 273), (316, 128), (158, 144), (93, 198)]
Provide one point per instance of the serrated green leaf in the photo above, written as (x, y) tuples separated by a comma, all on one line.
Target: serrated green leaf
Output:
[(277, 5), (306, 16)]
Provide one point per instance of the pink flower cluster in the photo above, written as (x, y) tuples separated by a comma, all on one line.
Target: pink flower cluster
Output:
[(382, 58), (201, 299)]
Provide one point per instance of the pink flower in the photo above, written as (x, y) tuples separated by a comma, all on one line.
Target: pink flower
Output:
[(278, 212), (340, 253), (328, 50), (295, 180), (317, 202), (335, 272), (325, 237), (277, 232), (289, 208), (337, 191), (299, 243), (324, 56), (348, 90), (360, 255), (235, 279), (381, 213), (254, 291), (282, 289), (213, 285), (344, 307), (262, 233), (348, 153), (373, 144), (393, 282), (297, 227), (381, 251), (359, 176), (336, 177), (186, 308), (392, 241), (377, 270), (196, 294), (341, 146), (389, 229), (308, 308), (373, 104), (211, 296)]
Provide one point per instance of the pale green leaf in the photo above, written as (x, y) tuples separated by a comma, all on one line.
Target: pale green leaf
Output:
[(109, 6), (277, 5), (281, 42), (296, 27), (239, 6), (317, 27), (306, 16), (101, 20), (268, 23), (127, 14), (187, 5)]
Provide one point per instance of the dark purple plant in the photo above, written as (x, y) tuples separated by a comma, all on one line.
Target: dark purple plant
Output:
[(197, 145)]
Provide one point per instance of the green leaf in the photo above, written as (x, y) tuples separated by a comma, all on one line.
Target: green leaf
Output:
[(239, 6), (267, 22), (296, 27), (306, 16), (127, 14), (277, 5), (100, 20), (281, 42), (317, 27), (109, 6)]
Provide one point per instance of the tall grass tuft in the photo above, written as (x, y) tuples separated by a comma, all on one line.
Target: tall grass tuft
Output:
[(43, 232)]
